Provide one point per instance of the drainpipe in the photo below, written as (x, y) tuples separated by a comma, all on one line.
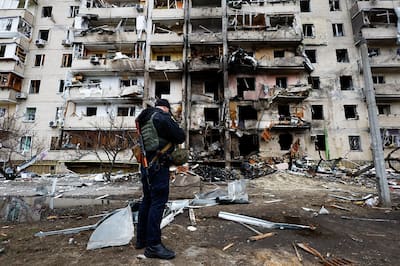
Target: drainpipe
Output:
[(186, 76), (225, 114), (376, 140)]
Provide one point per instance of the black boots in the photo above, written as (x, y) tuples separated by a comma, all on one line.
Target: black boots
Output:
[(159, 251)]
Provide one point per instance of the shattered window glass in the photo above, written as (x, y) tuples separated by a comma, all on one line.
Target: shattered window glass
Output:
[(355, 143)]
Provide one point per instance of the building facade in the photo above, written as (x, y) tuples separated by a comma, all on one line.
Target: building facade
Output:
[(277, 78)]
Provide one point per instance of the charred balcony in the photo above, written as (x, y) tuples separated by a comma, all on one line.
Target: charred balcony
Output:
[(167, 32), (206, 31), (375, 22), (205, 57)]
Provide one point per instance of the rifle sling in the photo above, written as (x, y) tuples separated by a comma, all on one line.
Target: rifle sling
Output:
[(161, 152)]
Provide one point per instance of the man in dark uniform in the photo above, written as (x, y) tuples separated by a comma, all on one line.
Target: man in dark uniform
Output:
[(157, 128)]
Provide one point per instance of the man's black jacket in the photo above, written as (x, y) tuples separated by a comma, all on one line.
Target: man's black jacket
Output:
[(166, 127)]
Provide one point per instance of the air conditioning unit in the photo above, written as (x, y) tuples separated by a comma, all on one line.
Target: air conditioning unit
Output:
[(94, 60), (66, 42), (40, 43), (20, 96), (52, 124)]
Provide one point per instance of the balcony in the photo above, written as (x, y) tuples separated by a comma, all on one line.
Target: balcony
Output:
[(387, 63), (94, 64), (296, 62), (166, 38), (112, 12), (96, 122), (20, 12), (12, 65), (172, 13), (359, 6), (205, 12), (7, 96), (290, 123), (205, 38), (380, 34), (169, 66), (80, 92), (387, 92), (98, 38), (207, 63), (282, 35)]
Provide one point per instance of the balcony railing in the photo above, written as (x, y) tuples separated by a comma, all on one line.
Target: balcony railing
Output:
[(278, 35), (95, 122), (102, 64), (166, 65), (112, 12)]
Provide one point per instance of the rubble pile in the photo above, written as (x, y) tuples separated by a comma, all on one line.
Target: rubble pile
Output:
[(213, 174)]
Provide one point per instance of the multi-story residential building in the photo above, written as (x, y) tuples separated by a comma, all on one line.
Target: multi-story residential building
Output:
[(243, 77)]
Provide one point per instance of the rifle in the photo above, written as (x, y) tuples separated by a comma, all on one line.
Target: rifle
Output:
[(143, 159)]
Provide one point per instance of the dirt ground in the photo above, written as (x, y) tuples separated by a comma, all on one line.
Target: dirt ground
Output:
[(278, 197)]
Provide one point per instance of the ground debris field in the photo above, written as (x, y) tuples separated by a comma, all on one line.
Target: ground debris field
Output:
[(350, 232)]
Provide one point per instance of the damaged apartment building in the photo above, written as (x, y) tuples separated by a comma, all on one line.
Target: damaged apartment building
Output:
[(243, 77)]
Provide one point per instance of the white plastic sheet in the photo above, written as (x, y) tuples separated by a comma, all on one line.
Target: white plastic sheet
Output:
[(116, 230)]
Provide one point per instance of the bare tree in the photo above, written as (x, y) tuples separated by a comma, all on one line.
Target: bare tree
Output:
[(16, 142), (112, 140)]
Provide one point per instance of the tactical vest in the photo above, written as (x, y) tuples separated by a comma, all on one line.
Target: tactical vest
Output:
[(151, 140)]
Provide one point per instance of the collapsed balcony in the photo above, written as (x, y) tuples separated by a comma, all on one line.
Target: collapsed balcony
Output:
[(167, 32), (205, 57), (206, 31)]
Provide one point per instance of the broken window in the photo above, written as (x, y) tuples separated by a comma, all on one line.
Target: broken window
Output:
[(248, 144), (315, 83), (6, 24), (317, 112), (355, 143), (34, 87), (126, 111), (246, 113), (281, 82), (279, 53), (30, 114), (163, 58), (25, 143), (162, 88), (284, 112), (374, 52), (285, 141), (127, 82), (337, 29), (66, 60), (39, 59), (305, 6), (312, 55), (308, 30), (24, 28), (346, 83), (378, 79), (342, 56), (383, 109), (350, 111), (211, 115), (46, 11), (3, 111), (334, 5), (245, 84), (320, 143), (61, 86), (73, 11), (43, 35), (211, 87), (10, 80), (3, 50), (91, 111)]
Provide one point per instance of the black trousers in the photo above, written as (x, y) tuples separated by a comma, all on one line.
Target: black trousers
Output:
[(155, 196)]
